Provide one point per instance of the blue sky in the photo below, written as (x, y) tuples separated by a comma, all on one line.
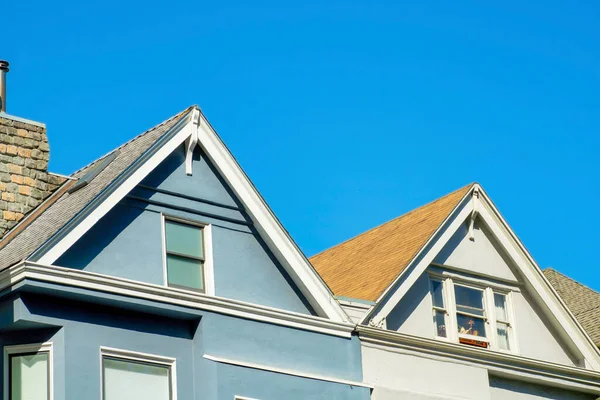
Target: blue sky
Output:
[(345, 114)]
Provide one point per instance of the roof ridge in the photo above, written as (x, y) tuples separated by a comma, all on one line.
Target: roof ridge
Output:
[(133, 139), (394, 219), (572, 280)]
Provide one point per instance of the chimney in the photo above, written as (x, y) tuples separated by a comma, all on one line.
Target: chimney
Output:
[(24, 154), (3, 71)]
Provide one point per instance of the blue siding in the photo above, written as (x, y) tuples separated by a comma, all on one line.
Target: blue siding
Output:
[(127, 241)]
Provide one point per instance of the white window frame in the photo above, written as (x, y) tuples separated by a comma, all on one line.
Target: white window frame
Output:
[(209, 276), (29, 349), (134, 356), (488, 289)]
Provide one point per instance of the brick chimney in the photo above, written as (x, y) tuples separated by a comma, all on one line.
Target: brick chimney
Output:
[(24, 178)]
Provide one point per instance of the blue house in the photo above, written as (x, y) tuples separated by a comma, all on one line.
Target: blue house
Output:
[(158, 273)]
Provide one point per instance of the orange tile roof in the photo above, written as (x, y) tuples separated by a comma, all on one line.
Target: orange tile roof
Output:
[(364, 266)]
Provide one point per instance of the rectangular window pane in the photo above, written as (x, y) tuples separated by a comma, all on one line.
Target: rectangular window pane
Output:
[(29, 377), (440, 323), (470, 325), (184, 239), (503, 336), (438, 294), (469, 300), (185, 272), (128, 380), (500, 301)]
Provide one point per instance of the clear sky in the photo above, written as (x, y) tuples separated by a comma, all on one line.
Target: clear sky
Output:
[(345, 114)]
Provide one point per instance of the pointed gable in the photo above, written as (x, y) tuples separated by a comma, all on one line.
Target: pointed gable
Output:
[(583, 302), (364, 266)]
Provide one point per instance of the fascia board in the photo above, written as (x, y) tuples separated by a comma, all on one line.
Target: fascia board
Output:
[(557, 309), (267, 224), (497, 363), (407, 278), (71, 278), (56, 246)]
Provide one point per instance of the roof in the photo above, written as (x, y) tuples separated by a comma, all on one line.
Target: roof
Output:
[(37, 227), (583, 302), (364, 266)]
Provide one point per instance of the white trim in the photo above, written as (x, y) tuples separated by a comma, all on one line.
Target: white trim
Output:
[(134, 356), (147, 291), (556, 311), (46, 347), (236, 397), (208, 265), (272, 232), (286, 371), (69, 239), (507, 364)]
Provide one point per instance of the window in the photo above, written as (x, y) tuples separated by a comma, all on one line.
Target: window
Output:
[(185, 255), (128, 375), (28, 372), (472, 314), (439, 308)]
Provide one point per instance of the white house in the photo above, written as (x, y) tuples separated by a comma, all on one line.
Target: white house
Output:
[(450, 305)]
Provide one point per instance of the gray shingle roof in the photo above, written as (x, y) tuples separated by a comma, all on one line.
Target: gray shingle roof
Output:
[(38, 230), (583, 302)]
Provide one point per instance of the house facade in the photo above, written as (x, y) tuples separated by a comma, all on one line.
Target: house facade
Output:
[(451, 306), (158, 273)]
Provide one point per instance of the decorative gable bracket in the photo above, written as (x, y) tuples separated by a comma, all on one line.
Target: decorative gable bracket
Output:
[(192, 140), (474, 213)]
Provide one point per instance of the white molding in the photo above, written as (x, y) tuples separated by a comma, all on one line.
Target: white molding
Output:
[(276, 237), (147, 291), (286, 371), (410, 273), (498, 363), (236, 397), (272, 232), (46, 347), (134, 356), (209, 262)]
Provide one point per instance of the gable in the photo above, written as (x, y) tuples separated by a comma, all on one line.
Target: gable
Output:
[(132, 165), (476, 248), (127, 241)]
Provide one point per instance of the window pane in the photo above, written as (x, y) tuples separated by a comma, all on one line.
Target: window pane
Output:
[(469, 300), (124, 380), (438, 294), (500, 301), (185, 272), (29, 377), (440, 323), (470, 325), (184, 239), (503, 336)]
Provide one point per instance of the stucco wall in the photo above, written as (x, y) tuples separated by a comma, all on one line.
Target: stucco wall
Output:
[(127, 241), (399, 376), (505, 389), (79, 328)]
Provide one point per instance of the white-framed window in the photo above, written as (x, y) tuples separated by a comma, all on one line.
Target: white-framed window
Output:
[(472, 313), (127, 375), (187, 255), (28, 373)]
